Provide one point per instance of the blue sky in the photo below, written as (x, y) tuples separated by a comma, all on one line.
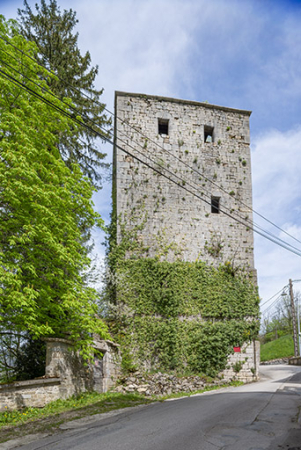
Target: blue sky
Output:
[(241, 54)]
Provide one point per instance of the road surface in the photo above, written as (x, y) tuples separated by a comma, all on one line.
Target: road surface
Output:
[(263, 415)]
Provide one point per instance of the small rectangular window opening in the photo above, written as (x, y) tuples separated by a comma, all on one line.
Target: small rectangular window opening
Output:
[(163, 126), (215, 205), (208, 134)]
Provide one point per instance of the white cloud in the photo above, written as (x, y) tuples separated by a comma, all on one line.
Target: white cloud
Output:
[(238, 54), (139, 46), (276, 159)]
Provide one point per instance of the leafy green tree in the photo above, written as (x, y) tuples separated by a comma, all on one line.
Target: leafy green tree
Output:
[(10, 345), (279, 322), (44, 209), (52, 31), (31, 359)]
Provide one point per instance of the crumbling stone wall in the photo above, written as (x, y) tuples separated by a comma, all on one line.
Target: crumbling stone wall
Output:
[(65, 375), (244, 364), (106, 368), (67, 365), (35, 393), (246, 360), (295, 361), (175, 223)]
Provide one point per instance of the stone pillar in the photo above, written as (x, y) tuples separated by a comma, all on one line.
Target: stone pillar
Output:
[(244, 365), (76, 376), (64, 362), (58, 357), (106, 364)]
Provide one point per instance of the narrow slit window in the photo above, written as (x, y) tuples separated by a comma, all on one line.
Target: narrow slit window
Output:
[(215, 205), (163, 126), (208, 134)]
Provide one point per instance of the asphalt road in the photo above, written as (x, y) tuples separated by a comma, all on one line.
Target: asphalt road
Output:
[(263, 415)]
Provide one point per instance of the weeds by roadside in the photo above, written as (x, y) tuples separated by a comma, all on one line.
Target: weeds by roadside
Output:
[(33, 420), (105, 402), (279, 348)]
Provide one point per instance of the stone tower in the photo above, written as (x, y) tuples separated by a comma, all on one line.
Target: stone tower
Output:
[(193, 198)]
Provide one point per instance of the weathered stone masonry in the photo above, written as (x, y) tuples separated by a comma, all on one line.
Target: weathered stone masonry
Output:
[(175, 219), (204, 148), (65, 375)]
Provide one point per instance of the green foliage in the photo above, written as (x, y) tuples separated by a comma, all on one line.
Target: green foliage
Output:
[(237, 366), (276, 334), (280, 324), (57, 49), (127, 363), (214, 247), (87, 403), (279, 348), (182, 315), (30, 360), (44, 210)]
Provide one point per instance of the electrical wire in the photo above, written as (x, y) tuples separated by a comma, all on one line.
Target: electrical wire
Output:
[(204, 177), (139, 131), (146, 137), (283, 291), (277, 293), (271, 305), (250, 223), (71, 116), (48, 91)]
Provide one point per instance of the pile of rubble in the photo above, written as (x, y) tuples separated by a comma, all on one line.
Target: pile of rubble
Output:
[(163, 384)]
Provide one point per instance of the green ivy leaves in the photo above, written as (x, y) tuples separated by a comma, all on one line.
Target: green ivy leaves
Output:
[(186, 315)]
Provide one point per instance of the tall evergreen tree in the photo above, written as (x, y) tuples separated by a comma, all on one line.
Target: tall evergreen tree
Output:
[(46, 210), (53, 33)]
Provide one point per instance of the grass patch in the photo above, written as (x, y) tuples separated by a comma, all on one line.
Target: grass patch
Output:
[(20, 423), (280, 348), (96, 403)]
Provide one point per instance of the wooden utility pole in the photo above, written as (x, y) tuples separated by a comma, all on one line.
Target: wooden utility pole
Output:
[(294, 318)]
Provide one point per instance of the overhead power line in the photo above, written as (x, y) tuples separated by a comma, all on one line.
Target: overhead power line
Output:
[(273, 296), (159, 171), (246, 220), (273, 304), (193, 169), (152, 141), (272, 238), (283, 291), (250, 223)]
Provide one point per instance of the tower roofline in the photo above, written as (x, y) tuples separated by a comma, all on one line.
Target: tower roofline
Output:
[(184, 102)]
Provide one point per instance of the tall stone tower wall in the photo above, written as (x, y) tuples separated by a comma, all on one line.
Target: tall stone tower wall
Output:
[(204, 149)]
